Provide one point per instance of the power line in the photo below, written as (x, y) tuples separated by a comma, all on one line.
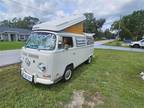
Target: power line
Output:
[(24, 5)]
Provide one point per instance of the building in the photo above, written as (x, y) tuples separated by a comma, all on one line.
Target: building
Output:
[(14, 34)]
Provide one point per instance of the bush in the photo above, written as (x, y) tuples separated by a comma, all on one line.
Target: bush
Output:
[(118, 43)]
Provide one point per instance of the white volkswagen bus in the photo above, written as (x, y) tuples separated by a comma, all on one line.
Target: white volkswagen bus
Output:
[(49, 57)]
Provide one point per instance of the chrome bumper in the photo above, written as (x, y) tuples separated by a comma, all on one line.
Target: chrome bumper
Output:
[(35, 79)]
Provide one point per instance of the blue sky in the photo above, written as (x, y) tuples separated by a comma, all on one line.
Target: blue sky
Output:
[(49, 9), (2, 7)]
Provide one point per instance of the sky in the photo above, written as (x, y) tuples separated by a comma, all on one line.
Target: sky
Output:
[(50, 9)]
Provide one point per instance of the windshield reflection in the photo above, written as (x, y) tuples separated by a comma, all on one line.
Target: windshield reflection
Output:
[(42, 41)]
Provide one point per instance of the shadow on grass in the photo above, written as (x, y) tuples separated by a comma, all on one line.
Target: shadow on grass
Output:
[(62, 84)]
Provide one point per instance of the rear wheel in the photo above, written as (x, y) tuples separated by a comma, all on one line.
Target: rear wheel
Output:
[(68, 73), (136, 46)]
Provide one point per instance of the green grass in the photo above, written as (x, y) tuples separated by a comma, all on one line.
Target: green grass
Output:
[(114, 74), (117, 43), (10, 45)]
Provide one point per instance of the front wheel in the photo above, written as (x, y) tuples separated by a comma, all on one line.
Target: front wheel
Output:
[(89, 60), (68, 74)]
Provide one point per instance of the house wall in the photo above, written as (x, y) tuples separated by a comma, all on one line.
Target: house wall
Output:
[(23, 37), (13, 36), (77, 28), (4, 36)]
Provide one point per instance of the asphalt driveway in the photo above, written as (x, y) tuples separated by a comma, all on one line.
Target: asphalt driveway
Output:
[(9, 57)]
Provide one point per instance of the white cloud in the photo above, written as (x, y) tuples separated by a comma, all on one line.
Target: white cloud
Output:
[(47, 9)]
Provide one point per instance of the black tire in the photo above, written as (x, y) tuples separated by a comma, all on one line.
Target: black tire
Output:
[(68, 73), (89, 60), (136, 46)]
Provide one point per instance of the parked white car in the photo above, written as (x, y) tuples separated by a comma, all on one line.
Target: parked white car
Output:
[(137, 44)]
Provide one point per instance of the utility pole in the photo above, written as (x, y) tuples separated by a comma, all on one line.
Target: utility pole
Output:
[(119, 28)]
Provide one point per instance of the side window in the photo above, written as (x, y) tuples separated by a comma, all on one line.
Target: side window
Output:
[(60, 43), (65, 42), (90, 40), (80, 42)]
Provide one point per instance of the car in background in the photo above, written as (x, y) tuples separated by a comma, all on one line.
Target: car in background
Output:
[(137, 44)]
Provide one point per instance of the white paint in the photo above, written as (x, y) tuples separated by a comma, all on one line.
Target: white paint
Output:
[(55, 60), (140, 43), (142, 75)]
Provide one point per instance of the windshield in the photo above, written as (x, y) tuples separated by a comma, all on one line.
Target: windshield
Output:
[(41, 41)]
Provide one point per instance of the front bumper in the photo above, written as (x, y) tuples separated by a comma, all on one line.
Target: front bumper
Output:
[(35, 79)]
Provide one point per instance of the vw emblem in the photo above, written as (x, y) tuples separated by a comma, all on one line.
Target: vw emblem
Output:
[(27, 62)]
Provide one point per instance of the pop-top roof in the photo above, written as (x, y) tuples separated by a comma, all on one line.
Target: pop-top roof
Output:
[(60, 24)]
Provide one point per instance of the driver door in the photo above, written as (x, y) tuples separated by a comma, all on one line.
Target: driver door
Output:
[(66, 53)]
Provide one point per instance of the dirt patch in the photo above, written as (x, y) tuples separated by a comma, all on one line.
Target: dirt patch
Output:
[(77, 101), (92, 100), (82, 99)]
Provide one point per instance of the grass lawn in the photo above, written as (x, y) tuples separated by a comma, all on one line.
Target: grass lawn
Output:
[(117, 43), (10, 45), (111, 81)]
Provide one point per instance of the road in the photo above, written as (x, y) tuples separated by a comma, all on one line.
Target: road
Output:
[(9, 57), (118, 48), (100, 45), (97, 43), (13, 56)]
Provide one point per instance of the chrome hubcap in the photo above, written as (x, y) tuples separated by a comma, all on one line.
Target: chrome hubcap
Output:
[(68, 74)]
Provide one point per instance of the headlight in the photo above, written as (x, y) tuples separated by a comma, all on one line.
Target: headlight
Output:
[(42, 67)]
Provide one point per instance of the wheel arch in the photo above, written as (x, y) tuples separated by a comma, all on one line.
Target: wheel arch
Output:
[(70, 65), (136, 44)]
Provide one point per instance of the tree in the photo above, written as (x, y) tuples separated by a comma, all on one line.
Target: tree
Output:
[(91, 25), (132, 26), (99, 23), (108, 34), (5, 23), (30, 21), (26, 22)]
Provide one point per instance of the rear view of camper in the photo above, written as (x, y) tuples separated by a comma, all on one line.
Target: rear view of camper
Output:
[(55, 49)]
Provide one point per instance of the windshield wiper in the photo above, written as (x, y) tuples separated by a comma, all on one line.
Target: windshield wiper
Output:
[(32, 46)]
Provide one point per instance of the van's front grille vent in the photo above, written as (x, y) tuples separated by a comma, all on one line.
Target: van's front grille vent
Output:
[(33, 56)]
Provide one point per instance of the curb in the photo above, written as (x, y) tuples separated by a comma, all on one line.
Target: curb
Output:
[(6, 65)]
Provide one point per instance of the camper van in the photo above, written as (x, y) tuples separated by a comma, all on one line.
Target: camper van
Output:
[(50, 56)]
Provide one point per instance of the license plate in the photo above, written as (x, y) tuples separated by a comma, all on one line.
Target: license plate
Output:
[(27, 76)]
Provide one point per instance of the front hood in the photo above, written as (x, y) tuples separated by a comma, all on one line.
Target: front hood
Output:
[(135, 42)]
